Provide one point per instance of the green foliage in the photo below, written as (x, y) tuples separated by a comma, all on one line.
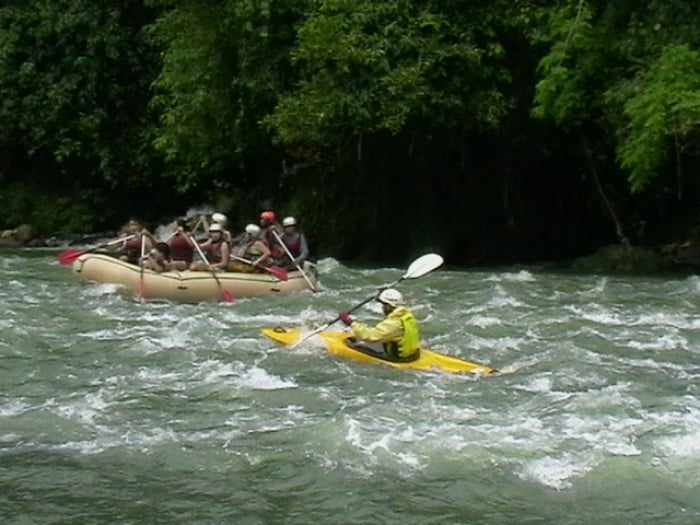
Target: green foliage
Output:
[(224, 64), (73, 79), (368, 67), (192, 93), (663, 114), (359, 115), (572, 64), (629, 68), (50, 213)]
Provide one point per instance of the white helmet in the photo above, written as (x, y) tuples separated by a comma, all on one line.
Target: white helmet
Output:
[(215, 227), (391, 297), (219, 217), (252, 229), (289, 221)]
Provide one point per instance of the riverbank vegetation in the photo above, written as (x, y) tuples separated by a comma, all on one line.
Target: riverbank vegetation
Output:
[(494, 132)]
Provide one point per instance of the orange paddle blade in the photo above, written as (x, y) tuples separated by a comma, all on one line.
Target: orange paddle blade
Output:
[(278, 272), (68, 256)]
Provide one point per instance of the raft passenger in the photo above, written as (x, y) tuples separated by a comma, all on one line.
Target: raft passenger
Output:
[(130, 249), (295, 242), (252, 248), (181, 246), (158, 258), (270, 226), (216, 249)]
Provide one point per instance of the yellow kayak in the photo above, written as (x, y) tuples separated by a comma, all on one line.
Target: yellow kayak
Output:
[(339, 343)]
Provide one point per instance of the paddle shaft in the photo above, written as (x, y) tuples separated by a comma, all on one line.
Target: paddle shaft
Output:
[(174, 233), (291, 258), (68, 256), (224, 293), (141, 262), (418, 268), (356, 307)]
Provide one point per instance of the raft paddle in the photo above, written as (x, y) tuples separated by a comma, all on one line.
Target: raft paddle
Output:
[(225, 294), (141, 263), (68, 256), (418, 268), (291, 258), (277, 271)]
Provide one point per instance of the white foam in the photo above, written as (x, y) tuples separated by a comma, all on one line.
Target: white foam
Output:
[(13, 408), (99, 289), (83, 410), (253, 377), (664, 342), (557, 472), (484, 321), (599, 287), (257, 378), (327, 265), (503, 300), (139, 440), (523, 276), (538, 384), (154, 376)]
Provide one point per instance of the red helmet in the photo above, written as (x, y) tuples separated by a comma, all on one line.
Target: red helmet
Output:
[(268, 216)]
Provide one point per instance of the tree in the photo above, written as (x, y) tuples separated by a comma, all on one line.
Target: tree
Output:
[(370, 67), (74, 79), (224, 64), (629, 68)]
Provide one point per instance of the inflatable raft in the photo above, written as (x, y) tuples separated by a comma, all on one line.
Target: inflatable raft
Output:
[(186, 286), (343, 345)]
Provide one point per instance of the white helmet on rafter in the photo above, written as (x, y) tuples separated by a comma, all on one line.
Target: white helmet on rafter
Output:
[(289, 221), (215, 227), (391, 297), (252, 229), (219, 217)]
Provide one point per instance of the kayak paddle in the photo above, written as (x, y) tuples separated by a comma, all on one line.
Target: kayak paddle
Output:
[(277, 271), (68, 256), (418, 268), (225, 294)]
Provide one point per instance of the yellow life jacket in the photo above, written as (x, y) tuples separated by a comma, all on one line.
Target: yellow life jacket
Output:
[(409, 344)]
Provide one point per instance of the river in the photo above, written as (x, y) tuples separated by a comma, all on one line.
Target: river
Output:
[(113, 411)]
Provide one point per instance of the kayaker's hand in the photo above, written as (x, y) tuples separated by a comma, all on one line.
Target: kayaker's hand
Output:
[(345, 318)]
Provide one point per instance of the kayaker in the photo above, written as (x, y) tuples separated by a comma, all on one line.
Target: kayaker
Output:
[(397, 334)]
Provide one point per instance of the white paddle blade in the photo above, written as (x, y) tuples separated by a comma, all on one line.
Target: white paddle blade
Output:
[(422, 265)]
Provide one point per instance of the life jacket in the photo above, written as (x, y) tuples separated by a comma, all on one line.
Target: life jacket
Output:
[(132, 249), (247, 249), (214, 251), (181, 249), (410, 342), (276, 250), (293, 243)]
